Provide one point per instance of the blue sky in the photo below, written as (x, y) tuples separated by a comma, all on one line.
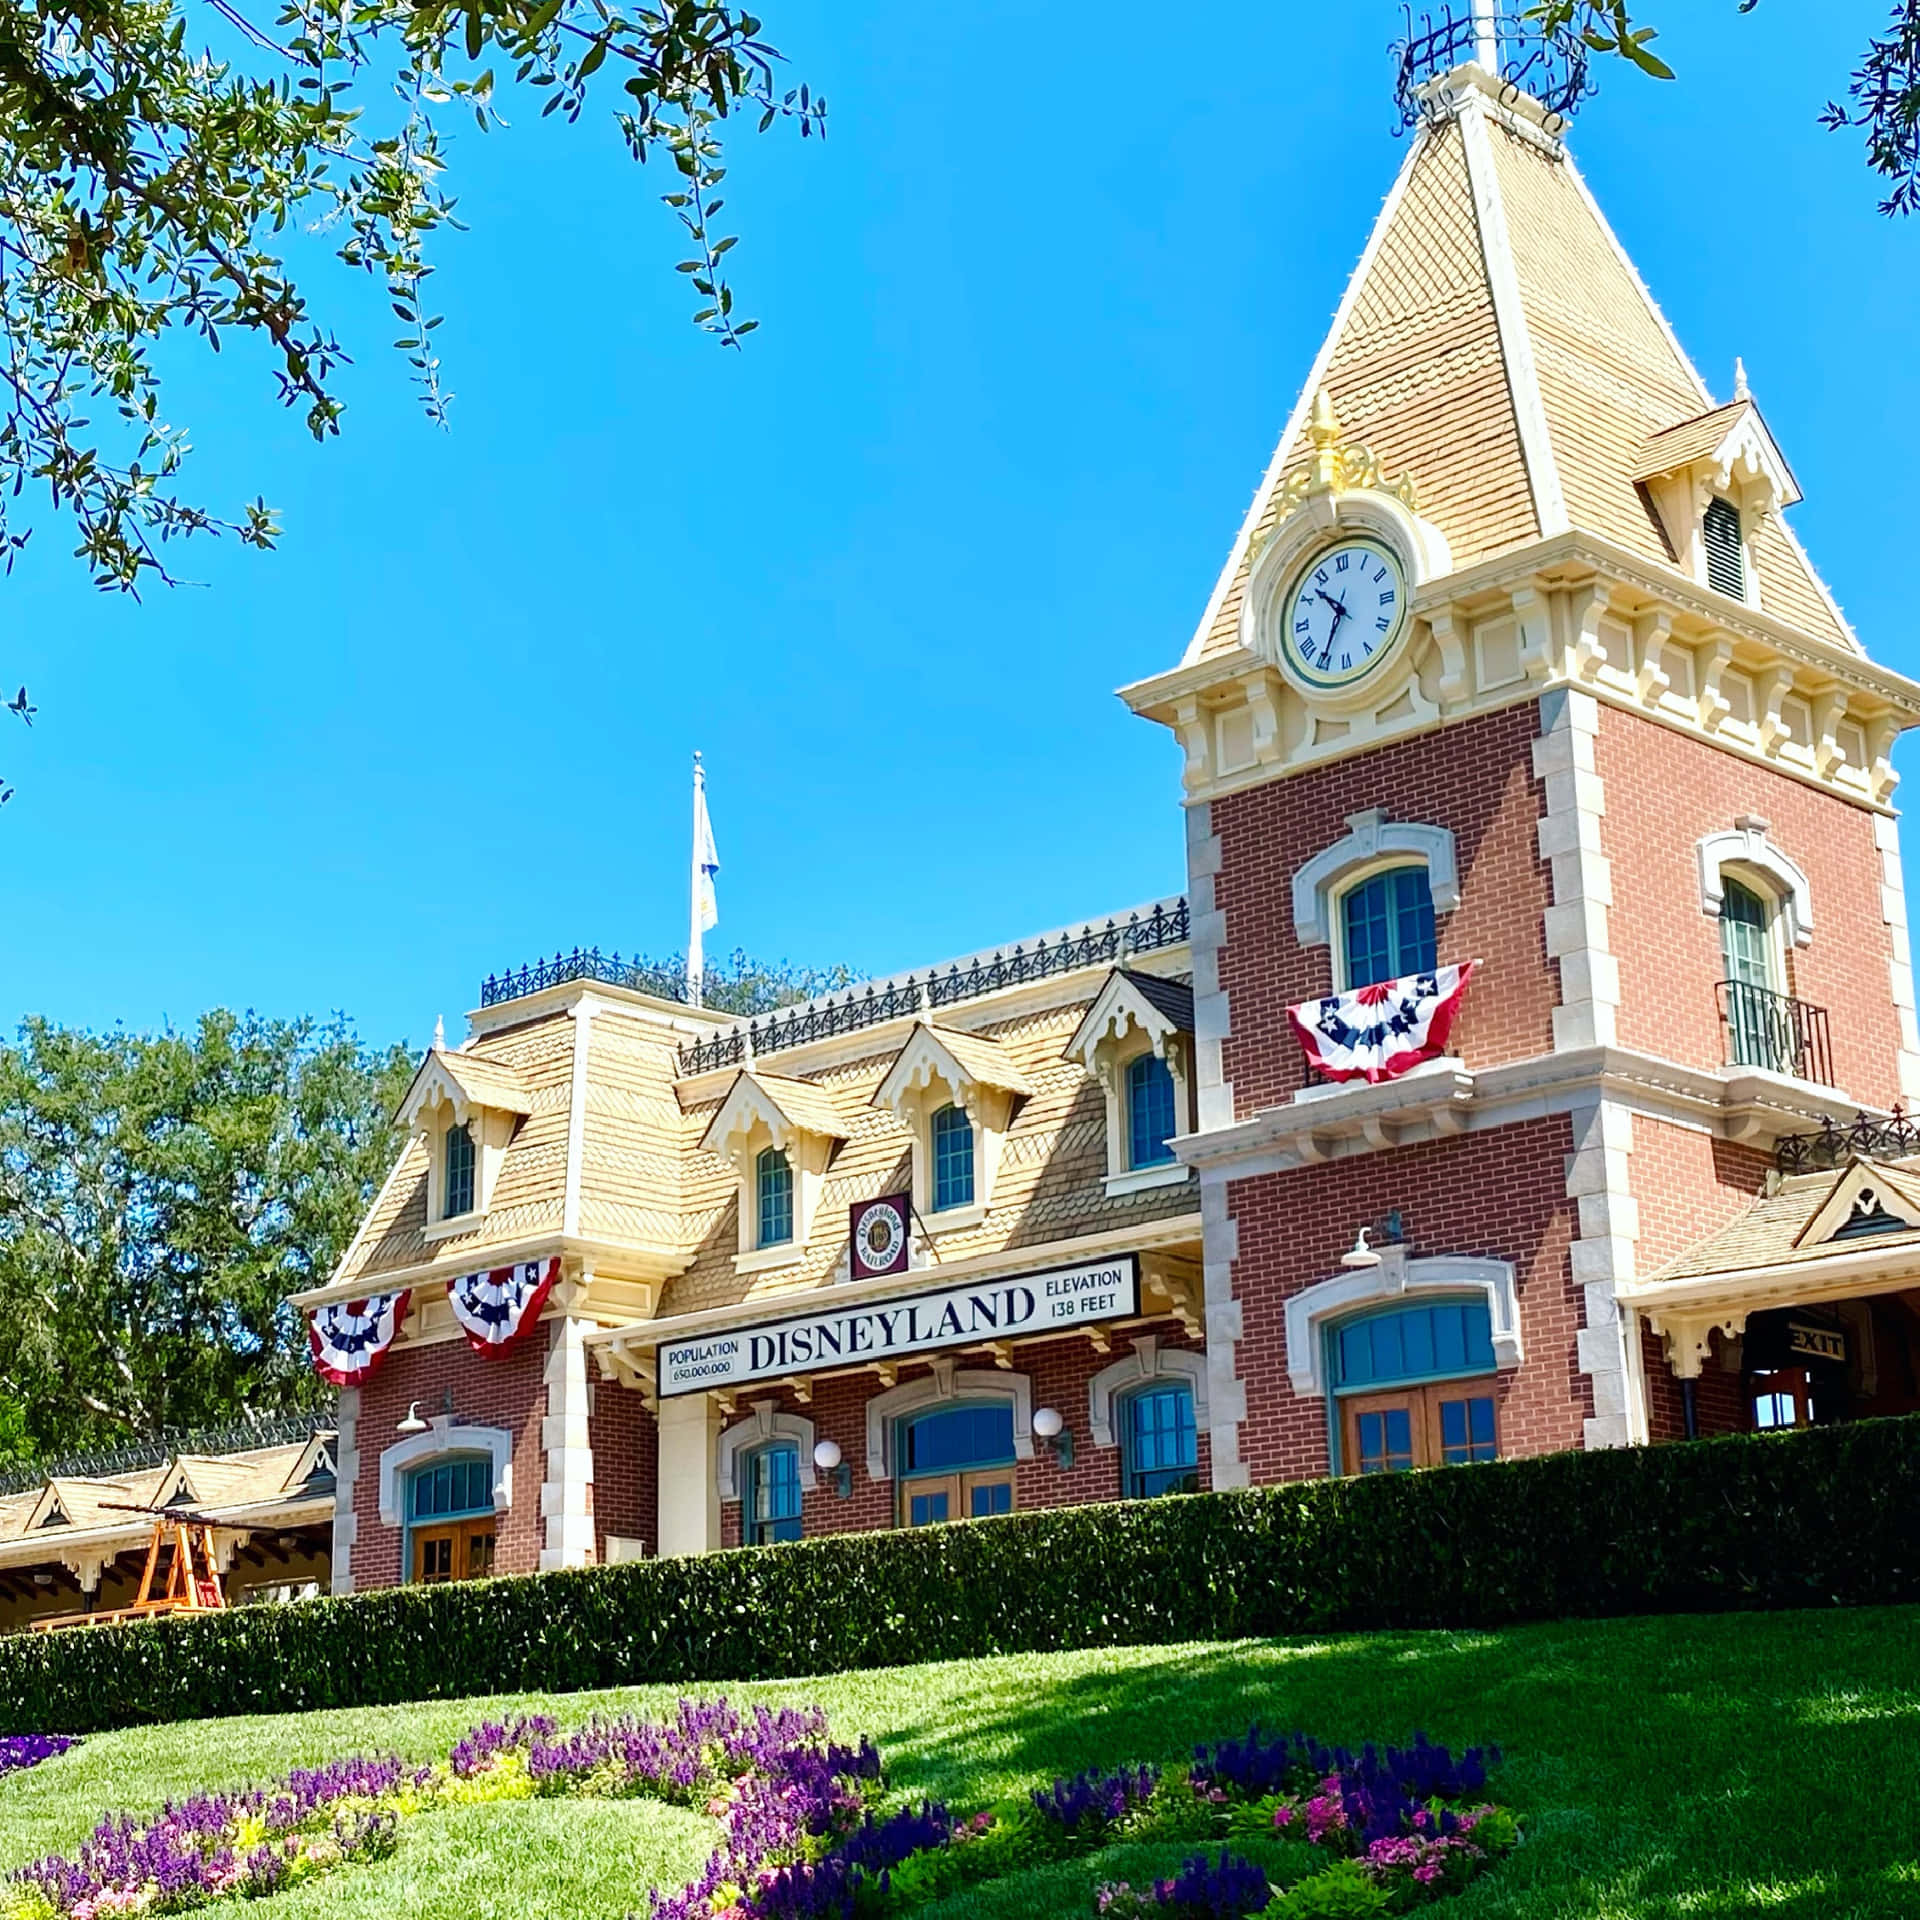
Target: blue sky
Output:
[(1032, 318)]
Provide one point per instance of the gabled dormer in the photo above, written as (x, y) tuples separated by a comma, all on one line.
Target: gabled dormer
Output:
[(956, 1093), (464, 1110), (1137, 1041), (1714, 480), (779, 1135), (1868, 1197)]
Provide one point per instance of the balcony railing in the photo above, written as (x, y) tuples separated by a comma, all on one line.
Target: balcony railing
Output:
[(1775, 1032)]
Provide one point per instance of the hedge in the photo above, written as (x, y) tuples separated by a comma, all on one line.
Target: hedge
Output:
[(1823, 1518)]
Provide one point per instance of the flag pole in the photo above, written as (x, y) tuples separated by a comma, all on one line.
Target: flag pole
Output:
[(696, 930)]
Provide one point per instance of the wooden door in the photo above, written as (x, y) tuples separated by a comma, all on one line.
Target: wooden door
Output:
[(1447, 1424), (930, 1501), (937, 1497), (986, 1493), (460, 1550)]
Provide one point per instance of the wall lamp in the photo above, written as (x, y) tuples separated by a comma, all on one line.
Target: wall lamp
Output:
[(826, 1456), (1390, 1231), (413, 1422), (1051, 1430)]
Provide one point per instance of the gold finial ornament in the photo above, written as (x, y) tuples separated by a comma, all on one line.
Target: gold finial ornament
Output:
[(1335, 467)]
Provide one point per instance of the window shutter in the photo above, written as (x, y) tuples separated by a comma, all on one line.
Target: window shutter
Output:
[(1726, 558)]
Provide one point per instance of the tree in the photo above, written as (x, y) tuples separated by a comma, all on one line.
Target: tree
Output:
[(154, 154), (1883, 91), (160, 1195)]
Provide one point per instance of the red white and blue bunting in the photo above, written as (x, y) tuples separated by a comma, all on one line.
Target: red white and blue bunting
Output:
[(495, 1308), (350, 1338), (1379, 1032)]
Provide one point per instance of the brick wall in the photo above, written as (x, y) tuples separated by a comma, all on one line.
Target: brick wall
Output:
[(1687, 1185), (506, 1392), (1499, 1194), (626, 1468), (1476, 779), (1060, 1371), (1664, 792)]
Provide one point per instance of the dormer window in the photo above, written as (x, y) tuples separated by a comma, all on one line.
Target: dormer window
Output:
[(952, 1160), (773, 1195), (1137, 1041), (457, 1185), (1150, 1112), (779, 1136), (1724, 549), (956, 1093), (463, 1110), (1712, 480)]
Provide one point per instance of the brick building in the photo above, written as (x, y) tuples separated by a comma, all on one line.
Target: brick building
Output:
[(1515, 661)]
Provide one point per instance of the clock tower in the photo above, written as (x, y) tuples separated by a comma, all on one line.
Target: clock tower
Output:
[(1516, 660)]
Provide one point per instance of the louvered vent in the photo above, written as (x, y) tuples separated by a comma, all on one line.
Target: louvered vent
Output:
[(1726, 558)]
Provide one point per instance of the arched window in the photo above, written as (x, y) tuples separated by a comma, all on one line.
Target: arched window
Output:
[(1407, 1386), (956, 1462), (771, 1495), (1387, 927), (1160, 1441), (773, 1193), (1756, 1028), (450, 1519), (459, 1180), (1150, 1111), (952, 1159)]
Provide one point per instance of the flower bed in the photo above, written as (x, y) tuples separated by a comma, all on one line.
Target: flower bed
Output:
[(1284, 1827), (19, 1751)]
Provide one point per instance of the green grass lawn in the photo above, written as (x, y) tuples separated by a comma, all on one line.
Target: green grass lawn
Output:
[(1670, 1767)]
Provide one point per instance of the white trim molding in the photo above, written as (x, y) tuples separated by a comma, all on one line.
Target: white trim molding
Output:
[(346, 1476), (1745, 844), (1312, 1310), (1147, 1362), (1893, 911), (1370, 837), (943, 1384), (441, 1440), (1576, 925), (762, 1427)]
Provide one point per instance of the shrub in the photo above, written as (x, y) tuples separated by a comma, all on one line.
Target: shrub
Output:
[(1824, 1518)]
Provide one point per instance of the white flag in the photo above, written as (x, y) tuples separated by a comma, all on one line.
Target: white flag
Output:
[(706, 860)]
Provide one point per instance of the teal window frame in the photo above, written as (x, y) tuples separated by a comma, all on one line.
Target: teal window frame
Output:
[(773, 1198), (773, 1528), (951, 1137), (1152, 1112), (1387, 927), (471, 1469), (457, 1192), (1140, 1480), (904, 1467)]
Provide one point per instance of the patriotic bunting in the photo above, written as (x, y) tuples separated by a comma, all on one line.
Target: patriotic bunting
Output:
[(351, 1337), (494, 1309), (1377, 1033)]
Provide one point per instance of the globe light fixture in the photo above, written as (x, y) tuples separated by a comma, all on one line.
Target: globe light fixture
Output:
[(1050, 1429), (828, 1458)]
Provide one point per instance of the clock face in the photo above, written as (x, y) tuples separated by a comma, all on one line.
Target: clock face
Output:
[(1345, 612)]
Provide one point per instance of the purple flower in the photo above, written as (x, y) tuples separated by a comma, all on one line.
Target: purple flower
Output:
[(19, 1751)]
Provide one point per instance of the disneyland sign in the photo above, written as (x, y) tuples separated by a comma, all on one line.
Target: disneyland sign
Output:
[(999, 1309)]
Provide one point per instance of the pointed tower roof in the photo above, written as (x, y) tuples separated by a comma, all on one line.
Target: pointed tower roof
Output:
[(1496, 343)]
